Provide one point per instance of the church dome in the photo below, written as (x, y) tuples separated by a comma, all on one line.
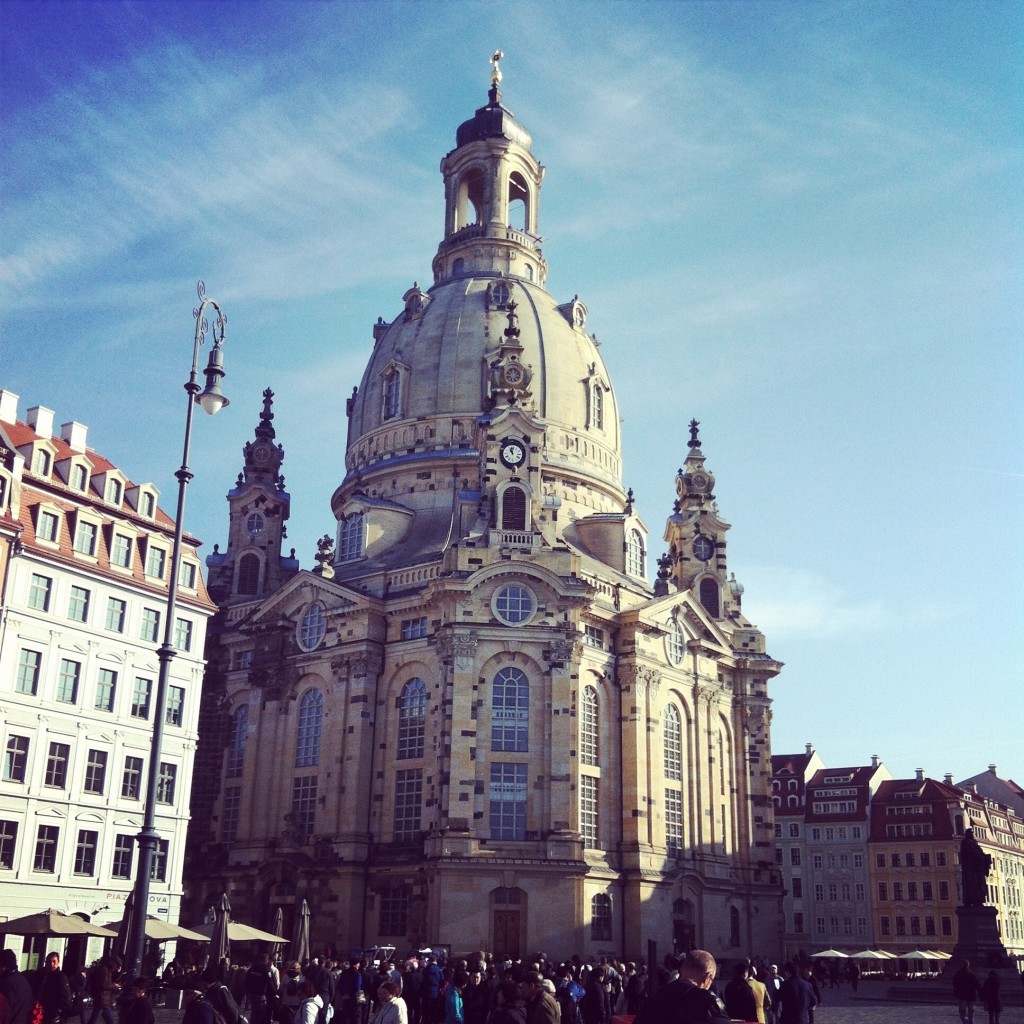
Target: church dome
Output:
[(484, 339)]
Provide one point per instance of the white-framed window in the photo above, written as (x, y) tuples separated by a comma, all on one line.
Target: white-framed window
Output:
[(510, 711), (121, 550), (673, 821), (350, 537), (141, 690), (40, 589), (95, 772), (311, 715), (597, 406), (79, 476), (594, 636), (183, 634), (636, 556), (175, 710), (86, 533), (116, 611), (675, 643), (41, 462), (513, 604), (412, 719), (106, 689), (149, 627), (392, 395), (67, 681), (147, 504), (166, 783), (312, 627), (507, 801), (672, 742), (156, 561), (78, 604), (304, 805), (601, 918), (57, 765), (408, 803), (589, 803), (131, 778), (45, 858), (48, 526), (27, 679), (187, 573), (124, 853), (114, 491), (239, 738), (589, 727)]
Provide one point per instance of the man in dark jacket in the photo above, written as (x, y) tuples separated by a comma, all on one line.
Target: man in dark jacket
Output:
[(796, 997), (14, 985), (53, 991), (740, 1003), (967, 991), (688, 999)]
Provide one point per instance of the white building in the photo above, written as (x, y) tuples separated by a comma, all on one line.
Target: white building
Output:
[(84, 559)]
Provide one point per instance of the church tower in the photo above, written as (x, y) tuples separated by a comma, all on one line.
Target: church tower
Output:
[(476, 722), (258, 508)]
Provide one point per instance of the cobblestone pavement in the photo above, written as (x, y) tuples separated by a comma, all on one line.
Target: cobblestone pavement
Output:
[(868, 1007)]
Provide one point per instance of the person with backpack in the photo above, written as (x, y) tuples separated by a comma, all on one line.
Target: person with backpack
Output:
[(311, 1006), (53, 991), (103, 985), (15, 988), (220, 997)]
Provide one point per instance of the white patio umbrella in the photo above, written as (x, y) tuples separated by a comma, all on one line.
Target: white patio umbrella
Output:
[(827, 953)]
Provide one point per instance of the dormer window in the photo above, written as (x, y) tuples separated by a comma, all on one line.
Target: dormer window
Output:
[(351, 537), (41, 462), (597, 407), (47, 526), (147, 504), (114, 491), (86, 535), (392, 394), (121, 545), (156, 561), (79, 476), (636, 555)]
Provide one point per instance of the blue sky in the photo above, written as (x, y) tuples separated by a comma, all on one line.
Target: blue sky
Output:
[(799, 223)]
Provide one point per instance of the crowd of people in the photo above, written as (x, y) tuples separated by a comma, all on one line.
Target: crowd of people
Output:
[(430, 989)]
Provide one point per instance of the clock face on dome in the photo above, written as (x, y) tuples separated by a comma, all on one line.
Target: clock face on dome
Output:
[(513, 374), (512, 452), (261, 453), (703, 548)]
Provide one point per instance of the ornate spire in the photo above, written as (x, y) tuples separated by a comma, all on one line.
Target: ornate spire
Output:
[(265, 428), (694, 439), (494, 93)]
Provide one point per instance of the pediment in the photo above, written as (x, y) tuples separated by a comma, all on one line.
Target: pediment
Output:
[(301, 590)]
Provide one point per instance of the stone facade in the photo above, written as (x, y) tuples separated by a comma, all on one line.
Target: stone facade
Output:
[(476, 723)]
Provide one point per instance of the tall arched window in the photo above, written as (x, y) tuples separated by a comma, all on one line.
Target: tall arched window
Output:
[(412, 719), (597, 406), (469, 199), (249, 574), (510, 711), (518, 202), (392, 393), (671, 725), (636, 562), (239, 735), (709, 596), (601, 917), (588, 726), (350, 537), (311, 713), (513, 509)]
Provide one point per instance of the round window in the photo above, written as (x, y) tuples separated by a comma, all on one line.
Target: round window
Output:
[(254, 524), (675, 643), (312, 627), (513, 604)]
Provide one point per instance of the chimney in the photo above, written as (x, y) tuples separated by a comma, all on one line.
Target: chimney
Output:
[(810, 749), (919, 774), (8, 407), (992, 769), (75, 434), (948, 778), (875, 762), (40, 419)]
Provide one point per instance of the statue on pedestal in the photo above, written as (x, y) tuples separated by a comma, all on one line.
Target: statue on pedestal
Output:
[(975, 864)]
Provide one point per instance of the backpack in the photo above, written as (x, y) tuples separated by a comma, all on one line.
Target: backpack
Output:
[(35, 1013)]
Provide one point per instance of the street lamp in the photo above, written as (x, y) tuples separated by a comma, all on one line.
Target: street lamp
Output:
[(211, 400)]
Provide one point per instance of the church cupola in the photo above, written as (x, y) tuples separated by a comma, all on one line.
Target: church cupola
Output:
[(492, 194), (695, 534), (259, 506)]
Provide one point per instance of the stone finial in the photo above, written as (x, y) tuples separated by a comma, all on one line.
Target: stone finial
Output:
[(265, 427), (324, 554), (694, 439)]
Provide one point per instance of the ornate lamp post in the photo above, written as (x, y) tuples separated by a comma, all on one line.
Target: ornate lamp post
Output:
[(212, 401)]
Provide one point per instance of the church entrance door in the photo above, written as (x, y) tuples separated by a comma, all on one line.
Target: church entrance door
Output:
[(506, 932)]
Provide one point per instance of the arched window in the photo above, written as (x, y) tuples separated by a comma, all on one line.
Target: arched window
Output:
[(601, 917), (239, 735), (312, 627), (311, 713), (671, 726), (412, 719), (597, 406), (636, 562), (709, 596), (350, 537), (249, 574), (392, 393), (513, 509), (469, 199), (518, 202), (510, 711), (41, 462), (675, 643), (588, 726)]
